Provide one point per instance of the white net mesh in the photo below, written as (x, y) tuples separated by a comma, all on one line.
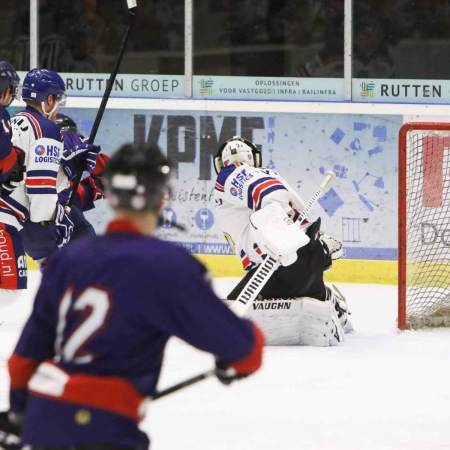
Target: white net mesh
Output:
[(428, 228)]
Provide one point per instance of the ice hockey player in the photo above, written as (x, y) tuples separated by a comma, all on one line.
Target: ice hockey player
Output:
[(39, 242), (91, 187), (255, 207), (89, 357), (37, 200), (11, 158)]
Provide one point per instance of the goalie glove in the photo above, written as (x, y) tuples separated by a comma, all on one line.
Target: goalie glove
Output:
[(332, 248), (9, 431)]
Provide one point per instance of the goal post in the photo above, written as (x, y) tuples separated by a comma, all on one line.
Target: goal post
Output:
[(424, 225)]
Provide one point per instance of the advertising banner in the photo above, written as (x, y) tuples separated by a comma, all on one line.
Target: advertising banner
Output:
[(401, 91), (125, 85), (359, 207), (265, 88)]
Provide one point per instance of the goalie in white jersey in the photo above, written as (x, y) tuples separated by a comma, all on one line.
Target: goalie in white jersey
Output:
[(247, 198)]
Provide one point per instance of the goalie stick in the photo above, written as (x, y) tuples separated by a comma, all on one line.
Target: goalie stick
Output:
[(270, 265), (132, 6)]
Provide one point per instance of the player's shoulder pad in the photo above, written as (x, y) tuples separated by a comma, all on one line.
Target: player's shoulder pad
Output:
[(50, 130), (225, 173), (268, 172), (239, 171), (41, 126)]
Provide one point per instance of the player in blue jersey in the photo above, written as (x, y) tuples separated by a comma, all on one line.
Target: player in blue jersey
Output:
[(39, 242), (37, 200), (89, 358), (91, 187), (11, 158), (245, 193)]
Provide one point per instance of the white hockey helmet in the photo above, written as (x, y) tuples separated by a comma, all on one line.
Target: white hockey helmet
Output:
[(236, 150)]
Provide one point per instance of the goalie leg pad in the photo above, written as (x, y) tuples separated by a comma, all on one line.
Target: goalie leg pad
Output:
[(319, 323), (335, 296)]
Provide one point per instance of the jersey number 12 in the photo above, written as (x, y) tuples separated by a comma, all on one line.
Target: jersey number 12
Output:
[(94, 304)]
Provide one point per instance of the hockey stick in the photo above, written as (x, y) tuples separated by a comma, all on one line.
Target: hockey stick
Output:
[(132, 6), (183, 384), (270, 265)]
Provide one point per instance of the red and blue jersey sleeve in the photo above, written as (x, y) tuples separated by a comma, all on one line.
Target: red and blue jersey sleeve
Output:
[(8, 156)]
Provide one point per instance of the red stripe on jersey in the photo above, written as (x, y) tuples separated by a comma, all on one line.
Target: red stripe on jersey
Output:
[(20, 370), (252, 362), (257, 249), (219, 186), (122, 226), (6, 164), (11, 208), (41, 182), (112, 394), (258, 191), (246, 261), (35, 123)]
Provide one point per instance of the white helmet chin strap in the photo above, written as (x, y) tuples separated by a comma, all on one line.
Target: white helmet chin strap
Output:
[(48, 114)]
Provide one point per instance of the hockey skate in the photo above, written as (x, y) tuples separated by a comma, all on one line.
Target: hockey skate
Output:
[(340, 304)]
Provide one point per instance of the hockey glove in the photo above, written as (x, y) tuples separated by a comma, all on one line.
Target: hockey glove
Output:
[(227, 374), (17, 176), (84, 153), (96, 185), (9, 432), (62, 226), (100, 165)]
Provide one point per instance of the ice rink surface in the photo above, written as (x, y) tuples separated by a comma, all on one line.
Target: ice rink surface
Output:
[(379, 390)]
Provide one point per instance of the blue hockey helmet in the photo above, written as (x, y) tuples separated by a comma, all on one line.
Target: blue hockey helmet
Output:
[(8, 78), (39, 83), (136, 176)]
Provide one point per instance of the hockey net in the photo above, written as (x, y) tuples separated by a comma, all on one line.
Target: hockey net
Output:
[(424, 225)]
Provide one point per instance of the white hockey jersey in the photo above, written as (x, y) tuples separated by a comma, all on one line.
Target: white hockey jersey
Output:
[(239, 191), (41, 141)]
